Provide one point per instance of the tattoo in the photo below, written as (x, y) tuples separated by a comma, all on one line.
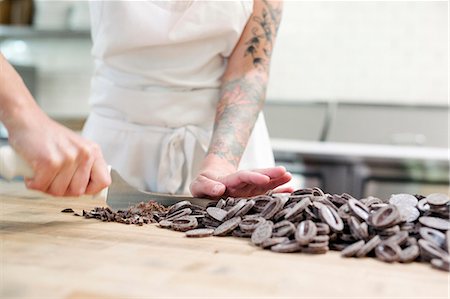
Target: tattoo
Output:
[(241, 101), (242, 98), (266, 27)]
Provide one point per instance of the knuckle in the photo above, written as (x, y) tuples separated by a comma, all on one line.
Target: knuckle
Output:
[(104, 183), (95, 147), (50, 163), (93, 189), (107, 181), (36, 185), (69, 158), (200, 180), (57, 189), (194, 185), (41, 179), (84, 153), (55, 192), (75, 192), (95, 150)]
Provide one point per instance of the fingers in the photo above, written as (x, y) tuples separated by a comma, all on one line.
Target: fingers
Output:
[(45, 172), (73, 172), (245, 177), (246, 190), (63, 162), (283, 189), (256, 182), (46, 169), (279, 181), (71, 158), (99, 177), (62, 180), (272, 172), (81, 178), (206, 187)]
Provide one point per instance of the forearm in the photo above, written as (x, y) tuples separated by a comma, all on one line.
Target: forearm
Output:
[(244, 85), (15, 99), (242, 98)]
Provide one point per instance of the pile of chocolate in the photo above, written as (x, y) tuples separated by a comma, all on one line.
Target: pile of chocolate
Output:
[(403, 229)]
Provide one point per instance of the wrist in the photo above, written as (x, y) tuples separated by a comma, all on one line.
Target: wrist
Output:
[(20, 114), (215, 163)]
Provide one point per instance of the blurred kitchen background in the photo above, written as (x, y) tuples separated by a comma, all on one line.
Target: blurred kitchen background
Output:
[(358, 99)]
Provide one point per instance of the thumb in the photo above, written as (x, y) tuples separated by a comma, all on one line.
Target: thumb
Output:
[(205, 187)]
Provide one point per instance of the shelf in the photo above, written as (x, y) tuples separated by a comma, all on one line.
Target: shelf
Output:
[(30, 32)]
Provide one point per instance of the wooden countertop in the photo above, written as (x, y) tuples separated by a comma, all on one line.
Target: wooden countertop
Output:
[(48, 254)]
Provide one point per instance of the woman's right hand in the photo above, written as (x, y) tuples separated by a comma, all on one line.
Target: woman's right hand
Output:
[(64, 163)]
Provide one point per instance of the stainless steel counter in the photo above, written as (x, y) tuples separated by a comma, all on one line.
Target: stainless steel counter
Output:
[(365, 169)]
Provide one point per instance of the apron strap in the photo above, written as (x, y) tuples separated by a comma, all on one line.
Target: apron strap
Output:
[(177, 154)]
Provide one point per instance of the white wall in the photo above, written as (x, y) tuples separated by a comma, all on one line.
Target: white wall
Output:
[(381, 51)]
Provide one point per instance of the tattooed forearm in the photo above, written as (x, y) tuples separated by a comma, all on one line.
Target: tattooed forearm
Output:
[(243, 92), (242, 99)]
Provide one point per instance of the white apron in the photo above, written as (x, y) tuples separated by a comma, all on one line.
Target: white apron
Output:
[(156, 86)]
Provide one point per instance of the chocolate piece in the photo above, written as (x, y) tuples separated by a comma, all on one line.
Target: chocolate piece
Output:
[(434, 222), (250, 224), (262, 232), (184, 224), (409, 254), (273, 207), (298, 208), (246, 208), (358, 208), (403, 199), (283, 228), (369, 246), (234, 209), (216, 213), (385, 217), (438, 199), (287, 247), (227, 227), (433, 236), (331, 217), (179, 214), (273, 241), (423, 205), (441, 264), (179, 206), (352, 249), (199, 233), (306, 231), (431, 251), (388, 252)]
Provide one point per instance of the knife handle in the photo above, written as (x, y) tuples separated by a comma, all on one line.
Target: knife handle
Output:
[(12, 165)]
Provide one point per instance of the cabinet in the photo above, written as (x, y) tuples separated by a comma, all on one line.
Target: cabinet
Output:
[(362, 149)]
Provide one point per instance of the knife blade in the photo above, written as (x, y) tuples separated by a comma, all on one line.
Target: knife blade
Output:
[(118, 196)]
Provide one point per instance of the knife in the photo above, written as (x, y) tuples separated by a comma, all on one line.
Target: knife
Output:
[(118, 196)]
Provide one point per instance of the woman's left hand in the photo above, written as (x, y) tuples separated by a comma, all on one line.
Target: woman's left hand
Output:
[(215, 182)]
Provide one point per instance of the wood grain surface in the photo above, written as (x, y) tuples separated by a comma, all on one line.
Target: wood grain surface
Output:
[(49, 254)]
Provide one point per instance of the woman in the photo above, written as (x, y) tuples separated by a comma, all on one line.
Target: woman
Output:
[(176, 103)]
